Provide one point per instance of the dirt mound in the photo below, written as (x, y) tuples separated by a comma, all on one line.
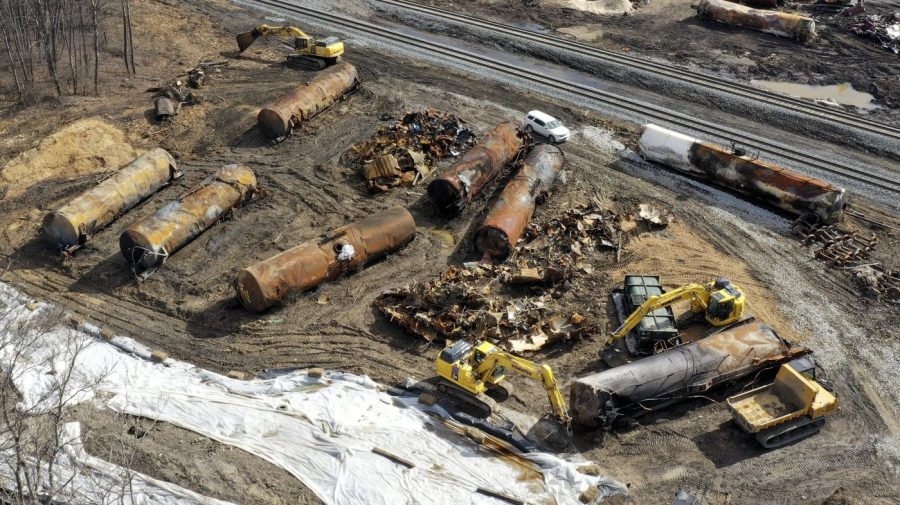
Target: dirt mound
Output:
[(84, 147), (598, 6), (680, 256)]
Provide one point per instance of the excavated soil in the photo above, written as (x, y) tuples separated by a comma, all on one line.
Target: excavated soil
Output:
[(188, 308)]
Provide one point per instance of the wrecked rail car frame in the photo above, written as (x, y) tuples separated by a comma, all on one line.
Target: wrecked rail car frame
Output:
[(277, 119), (455, 188), (782, 24), (771, 183), (498, 235), (147, 244), (70, 226), (607, 397), (264, 284)]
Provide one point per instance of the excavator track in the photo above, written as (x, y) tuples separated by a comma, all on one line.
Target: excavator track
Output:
[(301, 62), (482, 406), (789, 432)]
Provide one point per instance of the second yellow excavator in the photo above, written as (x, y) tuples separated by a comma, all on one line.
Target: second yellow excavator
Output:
[(474, 369), (720, 303), (310, 54)]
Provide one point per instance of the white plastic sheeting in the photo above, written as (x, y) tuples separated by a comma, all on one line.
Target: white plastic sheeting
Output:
[(88, 479), (321, 430)]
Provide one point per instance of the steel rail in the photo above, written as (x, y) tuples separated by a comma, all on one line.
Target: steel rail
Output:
[(609, 99), (711, 82)]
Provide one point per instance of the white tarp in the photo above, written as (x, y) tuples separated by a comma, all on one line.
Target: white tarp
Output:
[(321, 430), (88, 479)]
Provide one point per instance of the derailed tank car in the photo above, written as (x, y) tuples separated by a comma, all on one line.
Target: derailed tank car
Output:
[(604, 398), (776, 185)]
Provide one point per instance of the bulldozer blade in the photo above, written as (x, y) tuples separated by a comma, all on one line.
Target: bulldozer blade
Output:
[(246, 39)]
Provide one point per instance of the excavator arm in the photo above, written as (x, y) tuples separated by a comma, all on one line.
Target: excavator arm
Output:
[(542, 373), (246, 39), (697, 293)]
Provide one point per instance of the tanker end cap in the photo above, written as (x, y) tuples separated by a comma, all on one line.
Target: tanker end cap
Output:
[(273, 125), (493, 242), (138, 251), (446, 196), (60, 231), (250, 293)]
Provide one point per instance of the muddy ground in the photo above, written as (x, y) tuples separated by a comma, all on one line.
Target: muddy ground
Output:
[(669, 30), (188, 307)]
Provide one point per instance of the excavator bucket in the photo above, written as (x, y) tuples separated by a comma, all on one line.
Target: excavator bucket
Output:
[(551, 434), (246, 39)]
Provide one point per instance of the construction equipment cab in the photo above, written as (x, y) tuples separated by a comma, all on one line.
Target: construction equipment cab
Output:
[(475, 369), (720, 302), (311, 54)]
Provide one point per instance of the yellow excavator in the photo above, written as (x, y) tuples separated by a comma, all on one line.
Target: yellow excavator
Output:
[(311, 54), (474, 369), (720, 302)]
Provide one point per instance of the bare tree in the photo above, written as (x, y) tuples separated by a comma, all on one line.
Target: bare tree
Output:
[(32, 435), (63, 36)]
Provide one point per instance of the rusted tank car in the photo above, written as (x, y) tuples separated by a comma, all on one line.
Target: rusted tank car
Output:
[(459, 184), (510, 214), (603, 398), (769, 182), (147, 244), (306, 266), (783, 24), (277, 119), (70, 226)]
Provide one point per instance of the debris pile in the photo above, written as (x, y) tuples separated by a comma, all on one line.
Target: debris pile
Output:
[(171, 96), (515, 306), (403, 153), (850, 250), (838, 247), (884, 29)]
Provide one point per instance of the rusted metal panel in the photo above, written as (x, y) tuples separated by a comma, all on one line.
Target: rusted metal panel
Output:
[(147, 244), (771, 183), (306, 266), (459, 184), (165, 108), (510, 214), (602, 398), (783, 24), (70, 226), (277, 119)]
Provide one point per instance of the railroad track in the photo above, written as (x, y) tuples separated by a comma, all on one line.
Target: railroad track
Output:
[(707, 81), (623, 103)]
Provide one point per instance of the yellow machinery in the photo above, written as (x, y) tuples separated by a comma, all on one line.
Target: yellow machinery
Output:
[(475, 369), (720, 302), (311, 54), (791, 408)]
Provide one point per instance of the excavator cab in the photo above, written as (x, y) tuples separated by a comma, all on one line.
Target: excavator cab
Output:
[(726, 304)]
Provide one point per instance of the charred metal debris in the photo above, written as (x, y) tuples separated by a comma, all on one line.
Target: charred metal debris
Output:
[(403, 154), (170, 97), (515, 305), (883, 29), (850, 250)]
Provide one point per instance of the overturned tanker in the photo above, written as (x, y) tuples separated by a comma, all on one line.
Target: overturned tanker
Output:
[(459, 184), (308, 265), (776, 185), (147, 244), (604, 398), (509, 216), (69, 227), (277, 119), (783, 24)]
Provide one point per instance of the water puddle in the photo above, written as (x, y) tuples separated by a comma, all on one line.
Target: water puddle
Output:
[(842, 94)]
